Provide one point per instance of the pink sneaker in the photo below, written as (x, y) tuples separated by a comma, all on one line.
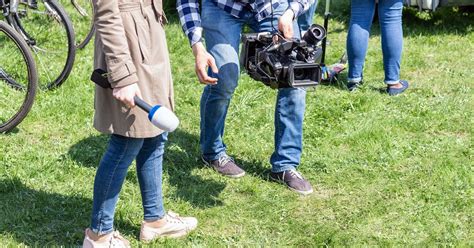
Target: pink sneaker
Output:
[(112, 240), (174, 227)]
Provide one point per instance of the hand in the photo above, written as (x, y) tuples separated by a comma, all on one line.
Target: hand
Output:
[(126, 94), (203, 61), (285, 23)]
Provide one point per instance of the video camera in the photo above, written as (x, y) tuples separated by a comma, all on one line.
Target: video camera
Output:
[(285, 63)]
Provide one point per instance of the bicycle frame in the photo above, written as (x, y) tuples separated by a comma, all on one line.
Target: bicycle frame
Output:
[(5, 6), (10, 11)]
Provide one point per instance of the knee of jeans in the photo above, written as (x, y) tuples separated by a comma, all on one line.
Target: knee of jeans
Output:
[(227, 79)]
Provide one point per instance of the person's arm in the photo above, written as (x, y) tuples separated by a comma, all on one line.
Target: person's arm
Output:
[(295, 9), (190, 19), (121, 71), (299, 6)]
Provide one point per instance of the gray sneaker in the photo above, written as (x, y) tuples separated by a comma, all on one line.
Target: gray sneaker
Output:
[(294, 180), (226, 166)]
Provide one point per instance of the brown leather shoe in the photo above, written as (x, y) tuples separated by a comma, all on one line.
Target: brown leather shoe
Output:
[(226, 166)]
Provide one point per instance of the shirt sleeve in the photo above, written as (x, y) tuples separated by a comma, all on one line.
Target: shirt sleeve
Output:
[(108, 23), (300, 6), (190, 19)]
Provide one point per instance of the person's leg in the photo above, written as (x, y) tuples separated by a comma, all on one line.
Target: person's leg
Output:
[(222, 35), (390, 18), (149, 173), (362, 13), (289, 115), (109, 178), (305, 20), (289, 112)]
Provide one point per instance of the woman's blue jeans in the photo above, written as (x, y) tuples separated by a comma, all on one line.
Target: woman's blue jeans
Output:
[(111, 174), (222, 33), (390, 19)]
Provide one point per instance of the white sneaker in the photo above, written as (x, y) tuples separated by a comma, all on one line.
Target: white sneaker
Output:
[(113, 240), (174, 227)]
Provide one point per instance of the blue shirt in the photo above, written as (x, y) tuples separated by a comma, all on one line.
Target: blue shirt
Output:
[(190, 18)]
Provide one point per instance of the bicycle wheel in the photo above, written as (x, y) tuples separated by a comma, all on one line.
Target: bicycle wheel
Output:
[(81, 13), (49, 32), (18, 78)]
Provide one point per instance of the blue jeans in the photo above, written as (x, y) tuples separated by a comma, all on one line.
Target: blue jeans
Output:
[(390, 19), (306, 19), (222, 34), (111, 174)]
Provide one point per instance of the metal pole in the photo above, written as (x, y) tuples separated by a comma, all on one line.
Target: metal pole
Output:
[(326, 23)]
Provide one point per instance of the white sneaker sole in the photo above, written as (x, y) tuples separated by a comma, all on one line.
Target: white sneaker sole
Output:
[(168, 235)]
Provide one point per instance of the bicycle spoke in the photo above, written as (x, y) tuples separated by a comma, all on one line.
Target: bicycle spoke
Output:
[(43, 67), (49, 40), (81, 13)]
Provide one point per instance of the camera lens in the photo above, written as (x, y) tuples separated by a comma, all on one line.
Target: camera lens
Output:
[(300, 74), (314, 34), (305, 73)]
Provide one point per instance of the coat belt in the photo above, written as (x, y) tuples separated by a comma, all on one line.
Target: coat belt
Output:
[(139, 5)]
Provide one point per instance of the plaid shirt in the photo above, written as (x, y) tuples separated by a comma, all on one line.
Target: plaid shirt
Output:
[(190, 18)]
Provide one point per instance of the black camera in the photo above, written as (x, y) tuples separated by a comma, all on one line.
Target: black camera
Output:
[(285, 63)]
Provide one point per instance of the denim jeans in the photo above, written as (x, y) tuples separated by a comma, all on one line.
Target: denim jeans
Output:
[(111, 174), (306, 19), (390, 19), (222, 35)]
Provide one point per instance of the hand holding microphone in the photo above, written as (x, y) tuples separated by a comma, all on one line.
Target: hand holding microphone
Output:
[(126, 94), (160, 116)]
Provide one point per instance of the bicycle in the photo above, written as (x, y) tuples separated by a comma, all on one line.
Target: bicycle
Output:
[(81, 13), (48, 31), (18, 78), (86, 10)]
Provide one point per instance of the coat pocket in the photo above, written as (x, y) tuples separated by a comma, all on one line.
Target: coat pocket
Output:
[(142, 30)]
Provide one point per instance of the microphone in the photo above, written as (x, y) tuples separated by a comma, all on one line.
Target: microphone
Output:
[(160, 116)]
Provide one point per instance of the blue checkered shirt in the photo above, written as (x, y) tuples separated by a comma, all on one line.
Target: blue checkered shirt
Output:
[(190, 18)]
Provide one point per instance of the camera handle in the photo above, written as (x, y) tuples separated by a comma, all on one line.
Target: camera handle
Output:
[(327, 14)]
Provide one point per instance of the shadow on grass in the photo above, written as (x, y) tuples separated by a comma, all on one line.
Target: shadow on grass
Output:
[(381, 90), (39, 218), (15, 130), (181, 158)]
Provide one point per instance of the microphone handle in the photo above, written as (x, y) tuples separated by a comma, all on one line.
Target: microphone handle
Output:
[(142, 104)]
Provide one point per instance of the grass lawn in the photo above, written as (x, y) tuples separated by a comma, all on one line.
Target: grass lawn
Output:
[(386, 170)]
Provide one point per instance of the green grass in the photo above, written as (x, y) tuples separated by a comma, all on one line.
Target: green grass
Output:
[(388, 171)]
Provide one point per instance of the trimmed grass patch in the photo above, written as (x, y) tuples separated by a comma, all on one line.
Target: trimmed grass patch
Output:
[(386, 170)]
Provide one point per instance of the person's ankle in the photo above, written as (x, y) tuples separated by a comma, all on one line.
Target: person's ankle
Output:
[(96, 237), (155, 223), (396, 85)]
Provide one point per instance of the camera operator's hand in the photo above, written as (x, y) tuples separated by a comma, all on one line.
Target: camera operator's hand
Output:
[(204, 60), (285, 23), (126, 94)]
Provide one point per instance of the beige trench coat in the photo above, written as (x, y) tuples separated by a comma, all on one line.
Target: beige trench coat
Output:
[(131, 46)]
